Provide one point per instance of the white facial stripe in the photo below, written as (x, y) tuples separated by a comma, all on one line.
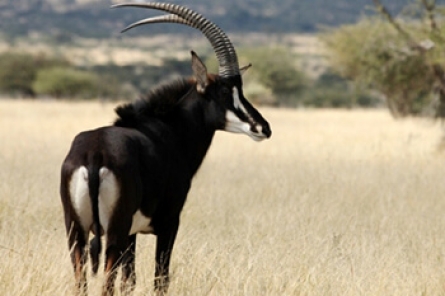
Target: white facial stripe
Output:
[(236, 101)]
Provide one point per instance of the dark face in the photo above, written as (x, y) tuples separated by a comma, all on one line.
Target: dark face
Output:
[(236, 113)]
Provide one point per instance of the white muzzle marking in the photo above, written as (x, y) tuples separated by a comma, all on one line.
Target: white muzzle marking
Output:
[(236, 125)]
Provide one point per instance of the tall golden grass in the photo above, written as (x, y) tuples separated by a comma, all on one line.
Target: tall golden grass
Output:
[(335, 203)]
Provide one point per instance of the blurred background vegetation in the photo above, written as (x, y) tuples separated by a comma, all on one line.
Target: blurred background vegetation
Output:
[(368, 53), (402, 57), (60, 18)]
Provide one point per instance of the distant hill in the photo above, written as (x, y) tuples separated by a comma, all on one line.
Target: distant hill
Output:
[(63, 19)]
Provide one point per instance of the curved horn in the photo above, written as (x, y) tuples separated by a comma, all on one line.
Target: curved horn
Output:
[(169, 18), (224, 50)]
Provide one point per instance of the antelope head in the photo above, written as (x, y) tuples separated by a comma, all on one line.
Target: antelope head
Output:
[(229, 109)]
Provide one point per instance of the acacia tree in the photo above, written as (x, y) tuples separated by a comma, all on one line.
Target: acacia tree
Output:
[(402, 57)]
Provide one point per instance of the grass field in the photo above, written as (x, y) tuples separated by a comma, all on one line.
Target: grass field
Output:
[(335, 203)]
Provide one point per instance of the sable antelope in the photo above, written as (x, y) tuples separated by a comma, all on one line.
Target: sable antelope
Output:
[(134, 176)]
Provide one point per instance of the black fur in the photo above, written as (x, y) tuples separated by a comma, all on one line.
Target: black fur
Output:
[(154, 148), (158, 103)]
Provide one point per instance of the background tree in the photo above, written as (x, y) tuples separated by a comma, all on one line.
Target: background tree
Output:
[(331, 90), (276, 69), (18, 71), (400, 57), (66, 82), (274, 73)]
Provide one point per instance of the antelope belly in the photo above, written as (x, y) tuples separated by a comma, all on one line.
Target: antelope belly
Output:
[(140, 224)]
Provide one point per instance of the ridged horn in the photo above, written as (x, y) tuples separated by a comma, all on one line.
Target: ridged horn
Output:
[(169, 18), (224, 50)]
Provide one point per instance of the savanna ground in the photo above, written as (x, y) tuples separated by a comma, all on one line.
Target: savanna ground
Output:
[(335, 203)]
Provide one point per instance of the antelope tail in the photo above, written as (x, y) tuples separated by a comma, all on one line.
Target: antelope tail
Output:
[(95, 162)]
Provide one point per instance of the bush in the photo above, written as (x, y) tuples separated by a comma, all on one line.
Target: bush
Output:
[(376, 56), (333, 91), (66, 82), (23, 74), (276, 69), (18, 71)]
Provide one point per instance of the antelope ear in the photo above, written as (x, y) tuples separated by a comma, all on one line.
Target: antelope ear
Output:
[(243, 70), (200, 73)]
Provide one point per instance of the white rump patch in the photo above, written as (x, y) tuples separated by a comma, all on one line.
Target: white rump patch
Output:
[(80, 197), (140, 224), (108, 196)]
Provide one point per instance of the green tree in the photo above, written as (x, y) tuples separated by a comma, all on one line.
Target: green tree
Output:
[(373, 54), (66, 82), (276, 69), (18, 71), (400, 57), (330, 90)]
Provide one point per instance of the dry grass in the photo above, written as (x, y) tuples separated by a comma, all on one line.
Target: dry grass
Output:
[(336, 203)]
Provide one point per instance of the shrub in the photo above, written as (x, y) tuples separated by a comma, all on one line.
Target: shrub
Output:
[(375, 55), (333, 91), (18, 71), (276, 69), (66, 82)]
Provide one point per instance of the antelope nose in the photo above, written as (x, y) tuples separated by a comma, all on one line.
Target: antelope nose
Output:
[(266, 130)]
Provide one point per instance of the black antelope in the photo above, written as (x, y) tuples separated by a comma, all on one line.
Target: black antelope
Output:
[(133, 177)]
